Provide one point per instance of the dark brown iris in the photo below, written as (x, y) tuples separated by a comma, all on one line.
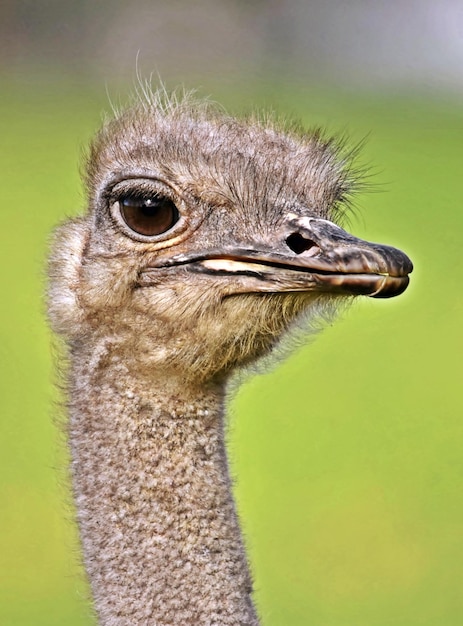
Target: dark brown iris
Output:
[(148, 216)]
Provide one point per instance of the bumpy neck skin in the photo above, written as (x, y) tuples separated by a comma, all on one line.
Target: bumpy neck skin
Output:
[(160, 534)]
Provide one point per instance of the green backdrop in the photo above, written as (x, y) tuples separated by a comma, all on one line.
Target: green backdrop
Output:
[(348, 456)]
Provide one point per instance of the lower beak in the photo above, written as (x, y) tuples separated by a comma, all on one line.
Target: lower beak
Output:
[(310, 254)]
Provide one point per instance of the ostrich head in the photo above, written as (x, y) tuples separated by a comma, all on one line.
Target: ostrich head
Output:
[(206, 237)]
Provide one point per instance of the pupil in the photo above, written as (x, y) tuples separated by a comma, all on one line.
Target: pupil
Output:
[(149, 210)]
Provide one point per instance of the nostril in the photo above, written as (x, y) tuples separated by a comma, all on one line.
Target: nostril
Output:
[(299, 244)]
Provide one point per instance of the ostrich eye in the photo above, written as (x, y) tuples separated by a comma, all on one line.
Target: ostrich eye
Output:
[(148, 216)]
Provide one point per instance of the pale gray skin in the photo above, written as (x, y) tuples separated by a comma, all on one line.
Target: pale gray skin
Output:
[(155, 325)]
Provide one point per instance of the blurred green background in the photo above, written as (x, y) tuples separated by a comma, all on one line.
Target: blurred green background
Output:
[(348, 455)]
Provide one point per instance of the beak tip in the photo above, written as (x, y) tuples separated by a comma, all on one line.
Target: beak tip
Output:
[(391, 287)]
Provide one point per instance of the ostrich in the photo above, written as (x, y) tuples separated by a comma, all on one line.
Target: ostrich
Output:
[(205, 239)]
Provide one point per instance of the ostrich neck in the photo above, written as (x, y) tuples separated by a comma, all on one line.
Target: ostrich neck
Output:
[(158, 526)]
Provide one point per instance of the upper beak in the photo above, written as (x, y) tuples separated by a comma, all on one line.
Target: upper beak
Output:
[(309, 254)]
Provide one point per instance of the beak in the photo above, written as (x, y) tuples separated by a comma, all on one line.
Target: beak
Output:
[(308, 254)]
